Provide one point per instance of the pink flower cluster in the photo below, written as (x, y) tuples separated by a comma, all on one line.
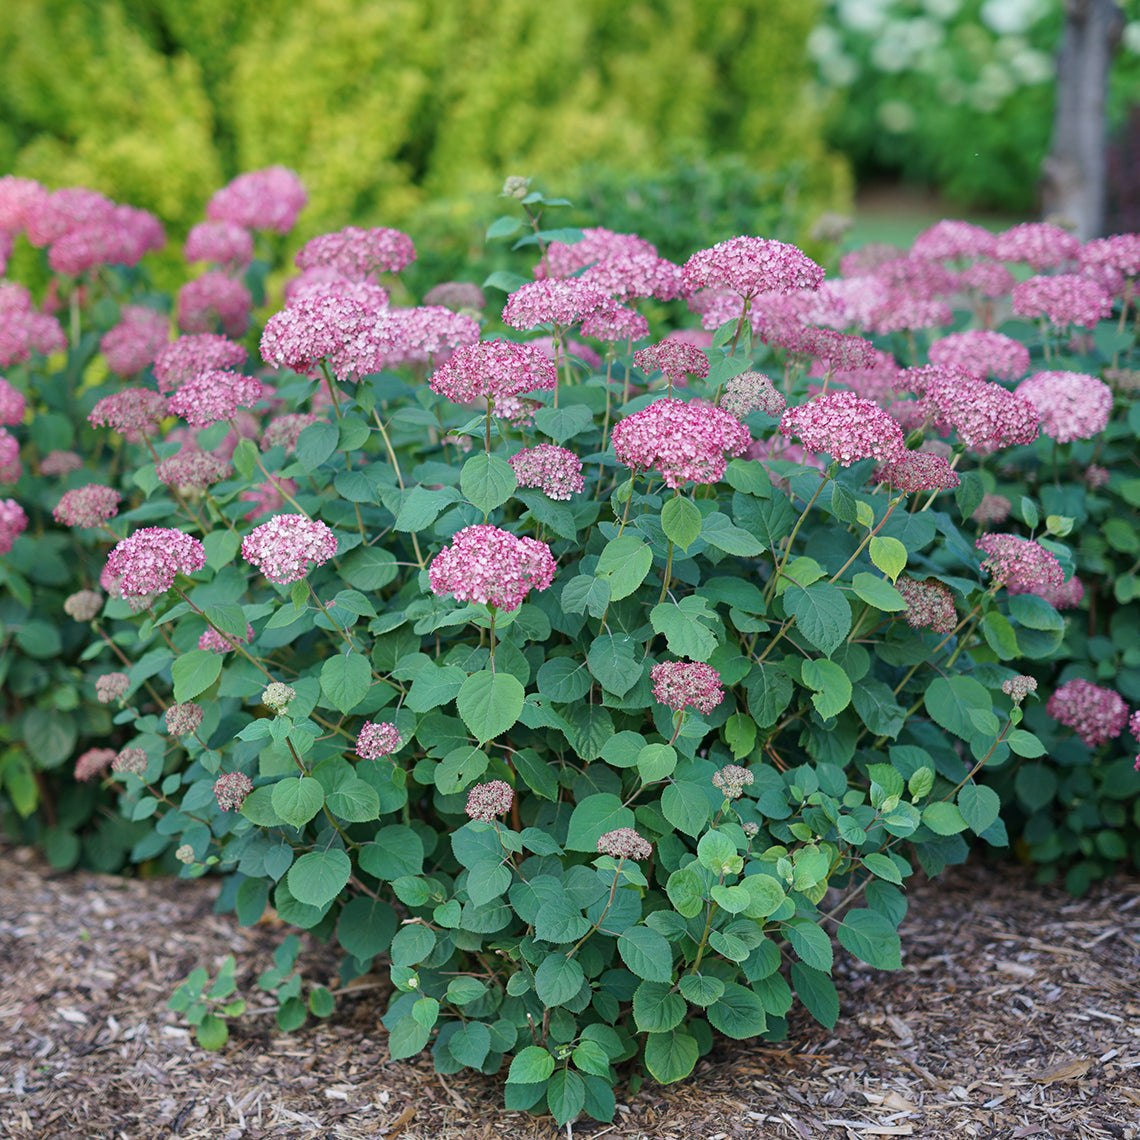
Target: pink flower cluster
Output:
[(59, 463), (929, 604), (951, 240), (1040, 245), (357, 253), (135, 341), (491, 566), (683, 684), (598, 245), (284, 431), (613, 322), (110, 687), (982, 414), (377, 740), (10, 466), (188, 355), (422, 334), (87, 506), (93, 762), (1065, 300), (486, 801), (685, 442), (193, 468), (131, 410), (1067, 596), (1097, 715), (918, 471), (130, 760), (231, 789), (214, 299), (23, 329), (267, 199), (1020, 564), (624, 843), (987, 279), (183, 719), (12, 404), (147, 561), (493, 369), (981, 353), (283, 547), (674, 359), (336, 327), (215, 395), (218, 642), (751, 265), (751, 392), (556, 471), (846, 427), (553, 301), (1072, 405), (225, 244)]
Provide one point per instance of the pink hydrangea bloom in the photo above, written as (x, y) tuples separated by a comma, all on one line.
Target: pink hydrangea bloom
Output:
[(615, 322), (147, 561), (598, 245), (20, 200), (110, 687), (214, 299), (193, 468), (7, 244), (13, 523), (358, 253), (218, 642), (283, 547), (902, 310), (751, 392), (674, 359), (1067, 596), (987, 279), (879, 382), (983, 414), (189, 355), (215, 395), (1072, 404), (1097, 715), (492, 370), (624, 843), (224, 243), (952, 240), (87, 506), (338, 328), (135, 341), (1120, 252), (981, 354), (1020, 564), (929, 604), (460, 296), (491, 566), (556, 471), (552, 302), (486, 801), (267, 199), (231, 789), (284, 431), (131, 410), (12, 403), (10, 466), (23, 329), (751, 265), (629, 276), (684, 684), (992, 509), (1134, 724), (123, 237), (917, 277), (130, 760), (93, 762), (845, 426), (918, 471), (377, 740), (425, 333), (685, 442), (60, 463), (183, 719), (1064, 299), (1038, 244), (1097, 476)]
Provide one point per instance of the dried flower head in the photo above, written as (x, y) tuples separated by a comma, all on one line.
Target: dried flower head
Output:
[(624, 843), (87, 506), (111, 686), (185, 854), (148, 561), (1019, 564), (278, 697), (556, 471), (283, 547), (845, 426), (83, 605), (929, 604), (377, 740), (683, 684), (183, 719), (492, 566), (130, 760), (750, 829), (1072, 405), (1097, 715), (93, 762), (1019, 687), (732, 779), (231, 789), (486, 801)]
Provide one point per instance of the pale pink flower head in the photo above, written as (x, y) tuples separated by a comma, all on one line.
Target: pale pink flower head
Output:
[(7, 244), (357, 253), (629, 276), (66, 210), (492, 370), (491, 566), (193, 468), (981, 353), (148, 561), (135, 341), (129, 411), (217, 642), (747, 266), (1097, 715), (486, 801), (23, 329), (325, 326), (122, 237), (900, 310), (867, 258), (212, 396), (846, 427), (12, 403), (1072, 405), (283, 547), (1040, 245), (598, 245), (684, 442), (1120, 252), (732, 779), (982, 414), (10, 466), (752, 392), (1065, 299), (929, 604), (1067, 596), (130, 760), (87, 506), (459, 296), (183, 719), (110, 687), (224, 243), (624, 843), (1097, 476), (377, 739), (1134, 724), (424, 333), (59, 463), (992, 509), (189, 355), (918, 471), (231, 789), (615, 322), (556, 471), (684, 684), (987, 279), (674, 359), (552, 302), (13, 523), (951, 240), (284, 431), (20, 200), (214, 299), (917, 277), (267, 199), (93, 762), (1020, 564)]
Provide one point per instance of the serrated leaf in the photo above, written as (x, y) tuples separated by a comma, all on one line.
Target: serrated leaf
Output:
[(701, 990), (624, 563), (980, 806), (646, 953), (889, 555), (943, 818), (345, 680), (194, 672), (558, 979), (593, 817), (738, 1013), (831, 684), (670, 1056), (870, 936), (822, 613), (656, 1009), (296, 801), (487, 481), (530, 1066), (878, 593), (489, 703), (681, 521), (318, 877), (882, 866), (810, 943)]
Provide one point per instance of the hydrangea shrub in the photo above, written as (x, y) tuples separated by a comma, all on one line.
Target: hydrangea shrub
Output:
[(598, 688)]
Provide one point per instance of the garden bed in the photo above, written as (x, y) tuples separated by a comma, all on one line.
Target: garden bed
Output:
[(1015, 1015)]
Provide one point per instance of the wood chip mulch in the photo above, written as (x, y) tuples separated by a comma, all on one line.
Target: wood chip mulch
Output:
[(1016, 1014)]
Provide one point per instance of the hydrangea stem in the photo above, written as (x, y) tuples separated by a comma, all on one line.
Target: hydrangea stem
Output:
[(792, 537)]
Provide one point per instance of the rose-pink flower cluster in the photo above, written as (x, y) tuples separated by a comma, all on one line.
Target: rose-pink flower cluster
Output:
[(981, 353), (674, 359), (267, 199), (552, 301), (188, 355), (23, 328), (147, 561), (224, 243), (493, 369), (486, 801), (214, 299), (214, 395), (1096, 714), (491, 566), (283, 547), (846, 427), (135, 341), (983, 414), (683, 684), (1041, 245), (377, 739), (1072, 405), (1065, 300), (751, 265), (556, 471), (358, 253), (87, 506), (218, 642), (1020, 564)]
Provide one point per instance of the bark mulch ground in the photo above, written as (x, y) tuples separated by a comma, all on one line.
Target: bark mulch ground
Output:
[(1016, 1014)]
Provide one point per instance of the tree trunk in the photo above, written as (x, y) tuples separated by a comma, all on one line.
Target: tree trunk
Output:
[(1074, 173)]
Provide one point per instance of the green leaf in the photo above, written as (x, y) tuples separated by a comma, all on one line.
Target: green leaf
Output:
[(701, 990), (345, 680), (562, 424), (613, 661), (656, 762), (624, 563), (831, 684), (656, 1009), (49, 737), (685, 892), (212, 1032), (315, 444), (953, 701), (563, 680), (194, 672), (646, 953), (681, 521), (810, 943), (1000, 635), (559, 920), (366, 926), (565, 1096), (590, 1057), (318, 877), (296, 801), (870, 936), (817, 992), (718, 531), (490, 703), (969, 492), (1025, 743), (878, 593), (740, 735), (943, 818), (435, 685), (738, 1013), (670, 1056), (588, 727), (506, 281), (883, 866), (411, 945), (531, 1066), (395, 851), (769, 691), (889, 555), (822, 614), (593, 817), (407, 1038), (499, 228), (470, 1044), (368, 568), (980, 806), (685, 625), (487, 481), (877, 707), (354, 801), (486, 882), (426, 1012), (460, 767), (558, 979), (714, 851), (686, 806)]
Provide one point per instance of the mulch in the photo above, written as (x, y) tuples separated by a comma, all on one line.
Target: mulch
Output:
[(1016, 1014)]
